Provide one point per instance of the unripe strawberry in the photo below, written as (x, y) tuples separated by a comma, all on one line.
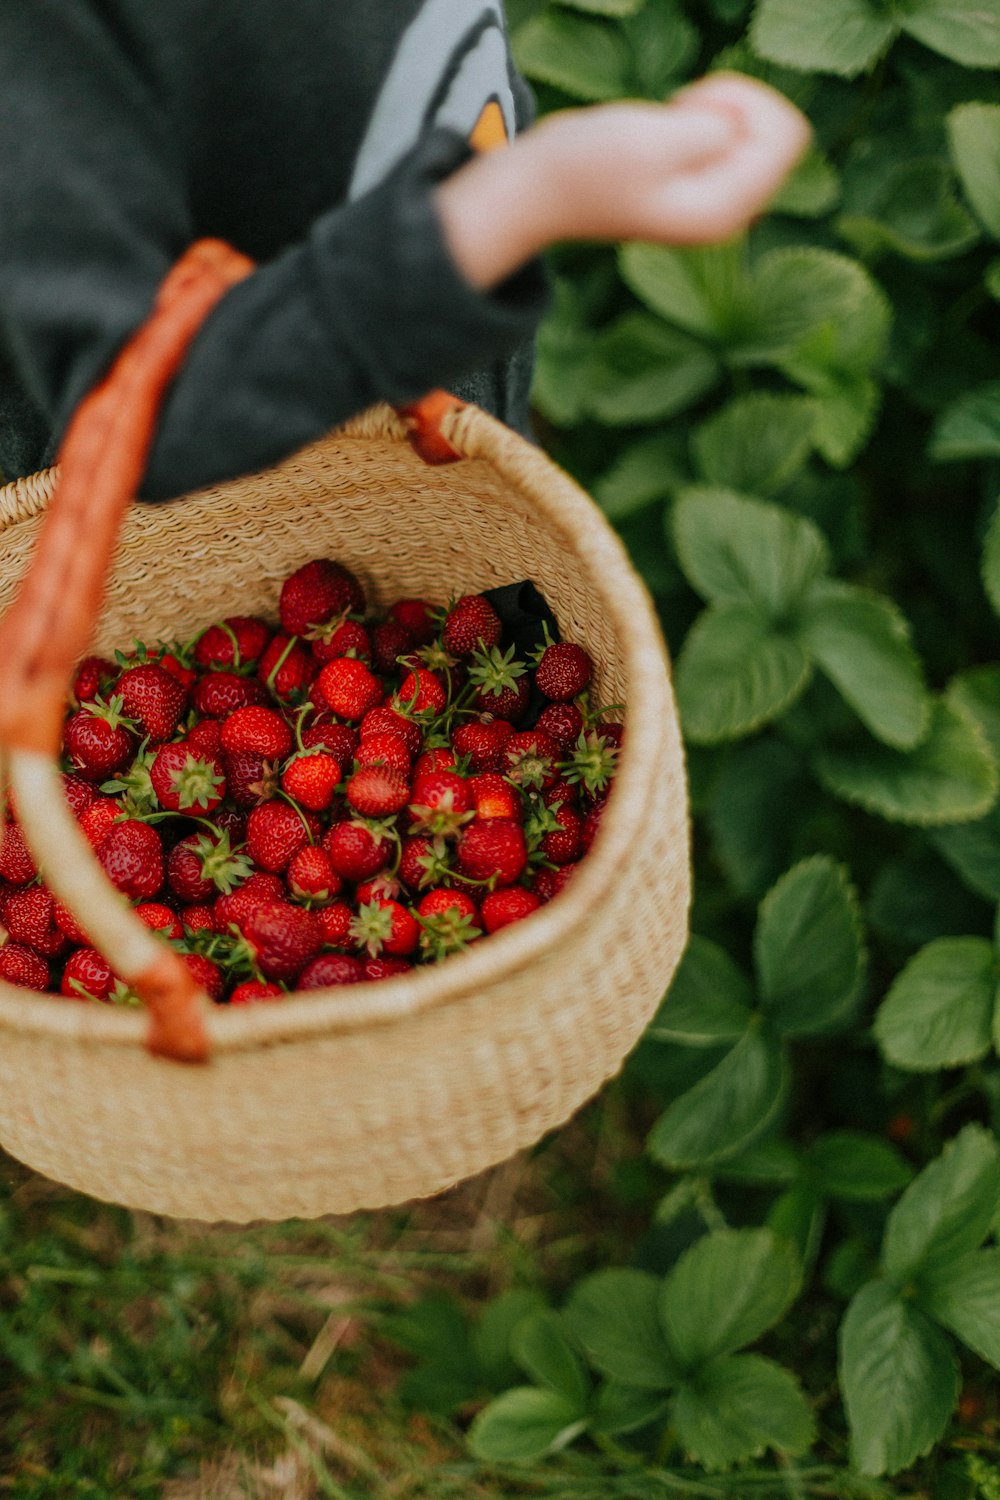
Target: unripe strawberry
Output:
[(512, 904)]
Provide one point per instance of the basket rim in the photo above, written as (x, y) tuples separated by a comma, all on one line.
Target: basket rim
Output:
[(358, 1007)]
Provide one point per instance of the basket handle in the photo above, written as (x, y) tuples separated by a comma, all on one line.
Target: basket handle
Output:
[(49, 625)]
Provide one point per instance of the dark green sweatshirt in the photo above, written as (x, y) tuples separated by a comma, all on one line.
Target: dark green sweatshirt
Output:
[(310, 135)]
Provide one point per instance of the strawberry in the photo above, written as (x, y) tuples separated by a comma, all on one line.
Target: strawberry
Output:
[(79, 793), (591, 823), (437, 902), (252, 990), (330, 969), (440, 803), (385, 886), (87, 976), (283, 938), (441, 758), (563, 671), (237, 641), (385, 720), (131, 854), (315, 593), (28, 918), (311, 876), (185, 674), (197, 918), (202, 864), (611, 732), (205, 737), (287, 667), (385, 927), (389, 641), (311, 778), (338, 740), (97, 739), (494, 797), (256, 730), (348, 688), (250, 779), (341, 638), (543, 883), (357, 849), (502, 685), (219, 694), (16, 862), (153, 697), (531, 759), (511, 904), (335, 921), (276, 831), (160, 918), (95, 821), (494, 850), (562, 876), (233, 908), (483, 740), (384, 749), (447, 923), (470, 623), (423, 861), (421, 692), (68, 925), (208, 975), (92, 675), (592, 762), (186, 782), (385, 968), (19, 965), (376, 791), (417, 616), (564, 844), (563, 722)]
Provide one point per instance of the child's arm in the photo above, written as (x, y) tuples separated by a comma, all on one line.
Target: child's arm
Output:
[(690, 172)]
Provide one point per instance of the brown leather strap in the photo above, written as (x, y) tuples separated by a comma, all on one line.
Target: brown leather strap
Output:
[(424, 418)]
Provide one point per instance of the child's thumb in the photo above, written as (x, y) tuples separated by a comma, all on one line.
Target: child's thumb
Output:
[(697, 136)]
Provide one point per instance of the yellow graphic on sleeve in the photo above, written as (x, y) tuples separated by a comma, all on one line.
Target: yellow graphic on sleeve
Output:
[(490, 130)]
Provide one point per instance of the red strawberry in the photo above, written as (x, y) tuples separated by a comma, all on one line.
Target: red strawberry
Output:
[(447, 923), (421, 692), (87, 975), (16, 863), (441, 758), (256, 730), (132, 856), (317, 592), (276, 831), (437, 902), (219, 694), (28, 918), (160, 918), (385, 968), (198, 917), (79, 793), (440, 803), (153, 697), (250, 779), (357, 850), (472, 623), (385, 927), (208, 975), (202, 864), (494, 797), (423, 861), (348, 688), (92, 676), (511, 904), (591, 823), (418, 616), (97, 740), (385, 886), (385, 720), (311, 876), (611, 732), (187, 782), (311, 779), (483, 741), (563, 722), (592, 763), (384, 749), (339, 740), (95, 821), (335, 922), (531, 758), (493, 850), (391, 640), (343, 638), (287, 667), (562, 876), (543, 883), (284, 938), (376, 791), (330, 969), (185, 674), (565, 844), (68, 925), (252, 990), (19, 965), (502, 684), (237, 641), (233, 908), (205, 737), (564, 670)]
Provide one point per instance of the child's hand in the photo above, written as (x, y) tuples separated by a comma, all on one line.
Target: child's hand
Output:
[(690, 172)]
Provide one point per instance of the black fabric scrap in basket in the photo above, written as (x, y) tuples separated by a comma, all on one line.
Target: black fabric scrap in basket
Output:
[(524, 614)]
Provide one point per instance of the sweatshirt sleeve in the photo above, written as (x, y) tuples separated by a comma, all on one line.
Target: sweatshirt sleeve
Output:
[(94, 210)]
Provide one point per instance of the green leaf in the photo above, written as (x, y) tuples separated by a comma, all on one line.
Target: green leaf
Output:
[(969, 427), (862, 643), (753, 813), (605, 7), (642, 371), (727, 1290), (841, 36), (774, 1163), (799, 1216), (974, 139), (736, 550), (949, 778), (541, 1348), (813, 310), (625, 1408), (910, 208), (491, 1337), (757, 443), (614, 1317), (522, 1425), (700, 290), (939, 1010), (726, 1109), (585, 56), (846, 408), (967, 31), (947, 1210), (647, 470), (811, 190), (991, 549), (991, 279), (973, 852), (858, 1167), (899, 1379), (735, 673), (738, 1407), (808, 949), (562, 358), (976, 692), (708, 1002), (663, 44), (964, 1296)]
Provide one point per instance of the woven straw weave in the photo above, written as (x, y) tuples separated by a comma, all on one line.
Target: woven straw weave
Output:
[(373, 1094)]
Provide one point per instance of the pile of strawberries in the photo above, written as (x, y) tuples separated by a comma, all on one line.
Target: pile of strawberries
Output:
[(329, 800)]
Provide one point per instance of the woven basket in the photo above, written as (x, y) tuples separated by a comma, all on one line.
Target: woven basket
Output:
[(362, 1096)]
